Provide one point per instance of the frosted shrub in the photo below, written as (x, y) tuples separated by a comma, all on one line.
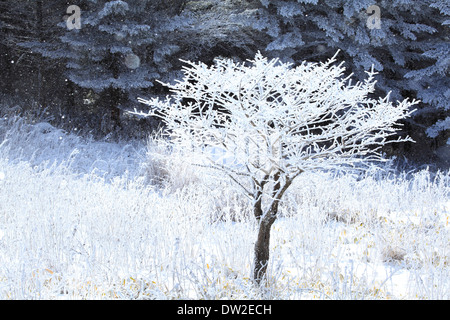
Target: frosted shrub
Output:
[(262, 125), (166, 168), (43, 146)]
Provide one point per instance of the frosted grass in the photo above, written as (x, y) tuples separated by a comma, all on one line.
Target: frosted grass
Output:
[(71, 231)]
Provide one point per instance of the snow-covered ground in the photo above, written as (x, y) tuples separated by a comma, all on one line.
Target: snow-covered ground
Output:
[(80, 220)]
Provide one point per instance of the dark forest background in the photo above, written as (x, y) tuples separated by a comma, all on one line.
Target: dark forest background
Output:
[(86, 78)]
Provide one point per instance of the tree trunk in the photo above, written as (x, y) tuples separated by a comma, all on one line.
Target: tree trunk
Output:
[(40, 31), (116, 100), (109, 102), (115, 94), (262, 247), (257, 207)]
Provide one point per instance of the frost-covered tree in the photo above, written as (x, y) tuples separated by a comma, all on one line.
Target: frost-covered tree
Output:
[(409, 49), (271, 122)]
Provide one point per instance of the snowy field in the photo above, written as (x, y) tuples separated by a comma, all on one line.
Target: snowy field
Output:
[(81, 219)]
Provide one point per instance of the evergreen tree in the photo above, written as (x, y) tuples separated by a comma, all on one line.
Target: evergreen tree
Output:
[(120, 46), (24, 72), (410, 49)]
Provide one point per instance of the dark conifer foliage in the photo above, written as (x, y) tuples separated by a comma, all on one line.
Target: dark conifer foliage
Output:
[(124, 46), (409, 46)]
